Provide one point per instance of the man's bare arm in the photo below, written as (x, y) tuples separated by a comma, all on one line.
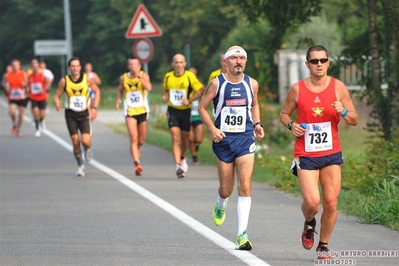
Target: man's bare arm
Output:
[(58, 94)]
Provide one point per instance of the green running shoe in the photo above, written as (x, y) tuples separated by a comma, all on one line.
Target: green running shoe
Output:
[(219, 214), (242, 242)]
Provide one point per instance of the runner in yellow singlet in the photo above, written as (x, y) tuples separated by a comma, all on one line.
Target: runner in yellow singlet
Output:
[(223, 69), (134, 87), (180, 89), (76, 87)]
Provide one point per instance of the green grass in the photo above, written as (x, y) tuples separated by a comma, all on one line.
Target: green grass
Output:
[(354, 140), (162, 138)]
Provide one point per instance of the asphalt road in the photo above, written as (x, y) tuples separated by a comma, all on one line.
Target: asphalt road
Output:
[(48, 216)]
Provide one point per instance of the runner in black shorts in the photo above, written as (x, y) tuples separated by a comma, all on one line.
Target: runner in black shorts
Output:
[(180, 89), (76, 88), (38, 87), (197, 128), (133, 89), (15, 83)]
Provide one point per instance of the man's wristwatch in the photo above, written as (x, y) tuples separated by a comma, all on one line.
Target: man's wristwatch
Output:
[(290, 125), (258, 123)]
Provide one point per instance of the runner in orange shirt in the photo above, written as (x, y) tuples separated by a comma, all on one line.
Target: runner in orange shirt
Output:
[(15, 84)]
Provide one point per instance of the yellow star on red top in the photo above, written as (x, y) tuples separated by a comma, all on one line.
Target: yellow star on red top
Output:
[(317, 111)]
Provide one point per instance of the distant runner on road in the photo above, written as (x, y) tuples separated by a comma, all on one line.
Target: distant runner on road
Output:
[(16, 83), (180, 89), (38, 87), (134, 87), (197, 127), (76, 87)]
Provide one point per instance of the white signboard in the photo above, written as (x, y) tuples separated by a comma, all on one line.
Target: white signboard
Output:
[(50, 47)]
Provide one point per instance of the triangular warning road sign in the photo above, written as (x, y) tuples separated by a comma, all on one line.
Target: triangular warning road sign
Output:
[(142, 25)]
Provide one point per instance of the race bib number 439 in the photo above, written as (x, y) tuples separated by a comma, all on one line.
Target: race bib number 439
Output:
[(318, 137), (233, 119)]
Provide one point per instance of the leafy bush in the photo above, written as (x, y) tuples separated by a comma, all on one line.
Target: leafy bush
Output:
[(383, 157), (275, 133), (158, 119), (354, 173), (382, 206)]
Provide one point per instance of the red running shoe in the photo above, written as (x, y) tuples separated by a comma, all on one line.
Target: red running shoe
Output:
[(308, 236), (323, 253), (14, 130), (138, 169)]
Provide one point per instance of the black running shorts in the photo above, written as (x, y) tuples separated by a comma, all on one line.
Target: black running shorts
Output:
[(179, 118), (22, 103), (40, 104), (78, 121), (140, 118)]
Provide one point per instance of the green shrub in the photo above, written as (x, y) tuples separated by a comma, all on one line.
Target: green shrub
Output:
[(382, 160), (354, 173), (275, 133), (382, 206), (159, 119)]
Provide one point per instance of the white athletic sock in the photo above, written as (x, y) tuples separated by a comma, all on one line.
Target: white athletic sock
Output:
[(221, 201), (243, 209)]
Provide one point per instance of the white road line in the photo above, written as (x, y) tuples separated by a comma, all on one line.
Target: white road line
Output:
[(219, 240)]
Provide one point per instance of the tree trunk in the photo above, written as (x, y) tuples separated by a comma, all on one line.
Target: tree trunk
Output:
[(373, 33), (392, 24)]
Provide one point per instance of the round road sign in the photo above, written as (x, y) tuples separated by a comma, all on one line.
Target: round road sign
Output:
[(143, 49)]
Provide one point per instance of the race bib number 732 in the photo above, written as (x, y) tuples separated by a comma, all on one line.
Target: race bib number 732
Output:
[(318, 137)]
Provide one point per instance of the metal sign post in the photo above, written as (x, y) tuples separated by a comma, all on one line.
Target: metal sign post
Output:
[(68, 29)]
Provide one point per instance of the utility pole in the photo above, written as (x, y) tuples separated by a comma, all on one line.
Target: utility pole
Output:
[(187, 52), (68, 29)]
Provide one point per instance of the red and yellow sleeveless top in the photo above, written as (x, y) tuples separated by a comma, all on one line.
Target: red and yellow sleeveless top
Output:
[(316, 110)]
